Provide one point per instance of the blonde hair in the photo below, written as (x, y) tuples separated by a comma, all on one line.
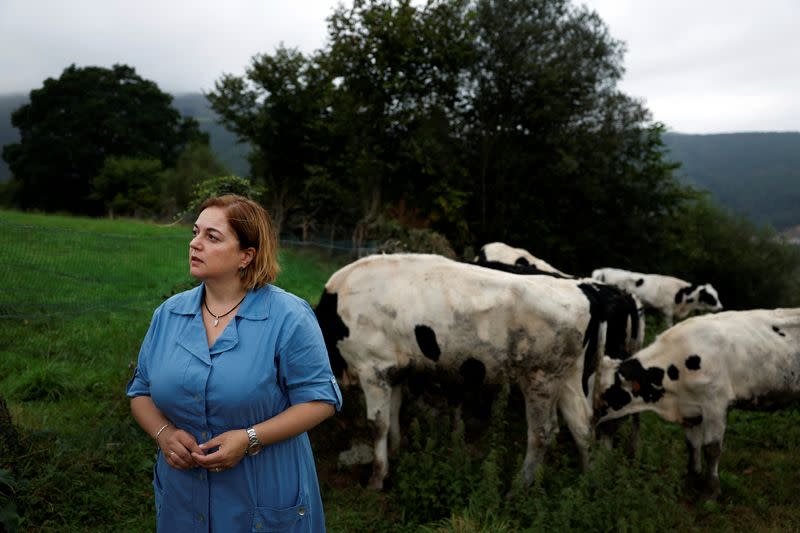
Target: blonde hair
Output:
[(253, 227)]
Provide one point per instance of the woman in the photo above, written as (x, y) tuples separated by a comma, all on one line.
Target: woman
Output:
[(231, 374)]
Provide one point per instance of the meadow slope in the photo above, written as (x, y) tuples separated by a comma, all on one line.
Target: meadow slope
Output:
[(77, 298)]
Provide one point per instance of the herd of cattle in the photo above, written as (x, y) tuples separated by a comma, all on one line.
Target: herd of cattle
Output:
[(574, 346)]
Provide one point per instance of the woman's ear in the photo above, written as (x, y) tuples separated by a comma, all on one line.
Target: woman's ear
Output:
[(247, 257)]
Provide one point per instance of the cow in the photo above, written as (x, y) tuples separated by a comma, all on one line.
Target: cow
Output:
[(385, 315), (623, 313), (670, 296), (498, 252), (695, 371)]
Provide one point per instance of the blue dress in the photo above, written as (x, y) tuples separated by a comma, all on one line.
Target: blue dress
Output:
[(270, 356)]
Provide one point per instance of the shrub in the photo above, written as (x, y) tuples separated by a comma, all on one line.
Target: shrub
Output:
[(217, 187), (395, 238), (436, 474)]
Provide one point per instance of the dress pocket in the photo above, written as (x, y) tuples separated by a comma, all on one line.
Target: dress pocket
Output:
[(158, 489), (266, 519)]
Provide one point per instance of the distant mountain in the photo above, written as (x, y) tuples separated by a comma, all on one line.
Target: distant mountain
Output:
[(754, 174), (8, 133), (223, 142)]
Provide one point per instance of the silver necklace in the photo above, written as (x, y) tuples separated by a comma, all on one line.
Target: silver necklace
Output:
[(217, 317)]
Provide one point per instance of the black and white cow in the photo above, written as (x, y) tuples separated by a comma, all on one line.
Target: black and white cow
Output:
[(695, 371), (386, 314), (499, 252), (622, 311), (670, 296)]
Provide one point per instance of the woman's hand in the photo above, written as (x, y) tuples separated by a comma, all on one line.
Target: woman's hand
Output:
[(178, 447), (230, 445)]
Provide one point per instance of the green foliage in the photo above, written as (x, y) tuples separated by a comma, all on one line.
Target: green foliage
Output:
[(395, 238), (218, 186), (750, 267), (73, 123), (9, 519), (435, 475), (492, 119), (128, 186), (195, 164), (280, 109), (49, 383)]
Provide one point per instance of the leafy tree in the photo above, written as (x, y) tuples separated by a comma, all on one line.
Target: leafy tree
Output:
[(483, 119), (396, 107), (560, 160), (749, 266), (129, 186), (73, 123), (279, 107), (196, 163)]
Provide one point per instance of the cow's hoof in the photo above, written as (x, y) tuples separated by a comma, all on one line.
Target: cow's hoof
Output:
[(695, 483), (711, 493), (375, 483)]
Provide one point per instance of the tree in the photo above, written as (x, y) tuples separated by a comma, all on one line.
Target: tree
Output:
[(279, 107), (396, 107), (129, 186), (73, 123), (195, 164), (561, 161), (483, 119)]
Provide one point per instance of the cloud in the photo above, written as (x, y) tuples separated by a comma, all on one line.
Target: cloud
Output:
[(708, 66)]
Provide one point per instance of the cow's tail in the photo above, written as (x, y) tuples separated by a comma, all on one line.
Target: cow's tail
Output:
[(333, 330), (636, 325), (595, 337)]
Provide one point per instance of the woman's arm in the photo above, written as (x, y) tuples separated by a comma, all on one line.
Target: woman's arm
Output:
[(293, 421), (176, 444)]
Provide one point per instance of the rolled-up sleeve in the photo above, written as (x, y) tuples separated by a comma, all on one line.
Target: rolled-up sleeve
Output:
[(305, 370), (139, 384)]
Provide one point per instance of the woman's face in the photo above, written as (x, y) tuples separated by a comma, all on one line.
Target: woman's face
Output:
[(214, 251)]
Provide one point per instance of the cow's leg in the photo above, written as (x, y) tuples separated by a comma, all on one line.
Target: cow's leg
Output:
[(633, 437), (541, 396), (378, 396), (714, 422), (394, 421), (712, 452), (577, 414), (694, 468)]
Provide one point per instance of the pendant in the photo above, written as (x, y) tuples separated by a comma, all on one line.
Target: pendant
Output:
[(216, 321)]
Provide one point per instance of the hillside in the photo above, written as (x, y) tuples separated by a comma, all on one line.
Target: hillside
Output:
[(754, 174), (223, 142), (8, 133)]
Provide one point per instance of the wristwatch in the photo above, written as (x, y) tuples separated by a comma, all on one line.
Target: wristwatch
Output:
[(255, 445)]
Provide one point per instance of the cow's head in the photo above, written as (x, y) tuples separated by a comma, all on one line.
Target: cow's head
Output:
[(622, 386), (697, 297)]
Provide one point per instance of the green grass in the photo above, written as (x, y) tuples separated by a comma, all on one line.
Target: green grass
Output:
[(77, 301)]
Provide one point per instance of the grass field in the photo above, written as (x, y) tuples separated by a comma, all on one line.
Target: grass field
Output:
[(74, 307)]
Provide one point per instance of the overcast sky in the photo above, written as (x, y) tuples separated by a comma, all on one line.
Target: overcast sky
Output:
[(701, 66)]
